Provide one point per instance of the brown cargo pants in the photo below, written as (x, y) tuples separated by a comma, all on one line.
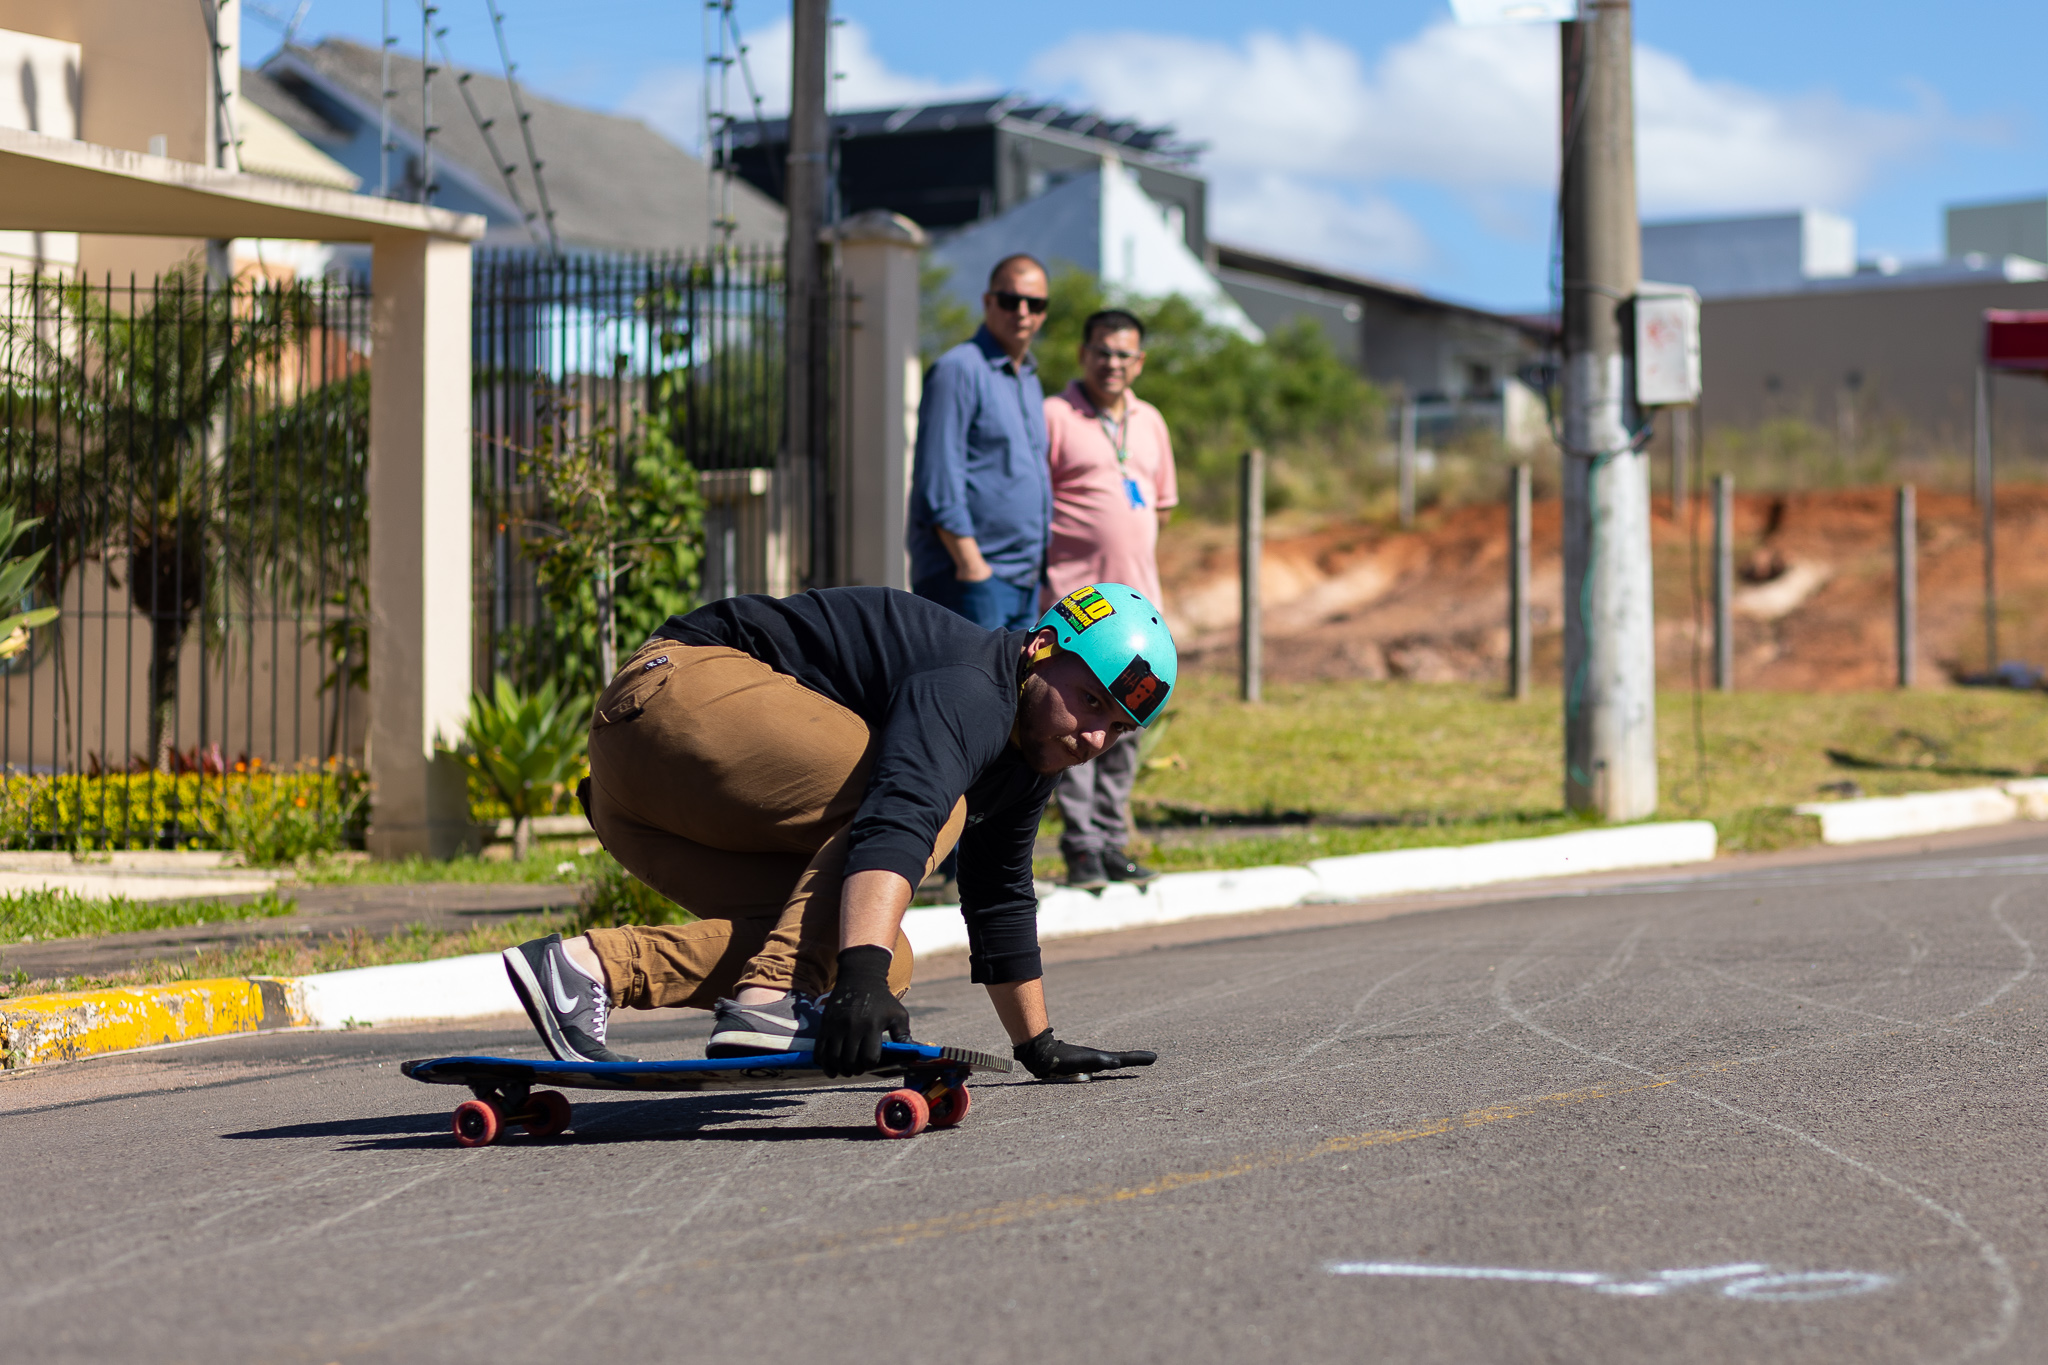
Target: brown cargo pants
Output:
[(728, 788)]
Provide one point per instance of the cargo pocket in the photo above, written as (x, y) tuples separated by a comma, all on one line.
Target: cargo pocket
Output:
[(630, 692)]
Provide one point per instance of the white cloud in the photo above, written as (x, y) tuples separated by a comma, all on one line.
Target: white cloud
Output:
[(1470, 110), (671, 98)]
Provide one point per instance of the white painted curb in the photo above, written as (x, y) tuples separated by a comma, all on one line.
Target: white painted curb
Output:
[(447, 988), (1194, 895), (1408, 870), (475, 986), (1898, 817)]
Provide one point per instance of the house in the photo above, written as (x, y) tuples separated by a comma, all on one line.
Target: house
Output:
[(1101, 221), (611, 183), (1458, 364), (945, 166)]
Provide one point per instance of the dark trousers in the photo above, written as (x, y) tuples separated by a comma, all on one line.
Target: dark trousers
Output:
[(1095, 800)]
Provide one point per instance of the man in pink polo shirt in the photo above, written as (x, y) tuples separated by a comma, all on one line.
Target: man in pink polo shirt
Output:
[(1112, 489)]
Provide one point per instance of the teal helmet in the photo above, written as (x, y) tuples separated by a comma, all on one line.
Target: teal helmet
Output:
[(1124, 641)]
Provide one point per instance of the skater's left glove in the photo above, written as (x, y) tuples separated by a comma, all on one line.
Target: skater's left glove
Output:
[(1047, 1058)]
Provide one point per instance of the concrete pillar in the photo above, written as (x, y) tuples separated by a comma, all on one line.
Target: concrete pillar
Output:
[(882, 378), (420, 515)]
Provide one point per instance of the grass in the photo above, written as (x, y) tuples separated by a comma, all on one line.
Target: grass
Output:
[(43, 914), (301, 957), (544, 865), (1460, 764)]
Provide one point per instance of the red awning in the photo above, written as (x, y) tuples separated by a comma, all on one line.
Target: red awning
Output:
[(2016, 340)]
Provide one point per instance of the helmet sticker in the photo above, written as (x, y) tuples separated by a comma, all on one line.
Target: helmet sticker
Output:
[(1138, 689), (1083, 608)]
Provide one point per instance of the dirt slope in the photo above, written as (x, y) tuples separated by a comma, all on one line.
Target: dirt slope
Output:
[(1813, 601)]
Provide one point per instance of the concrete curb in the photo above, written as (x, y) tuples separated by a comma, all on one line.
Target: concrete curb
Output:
[(1899, 817), (65, 1027), (74, 1024), (1362, 876)]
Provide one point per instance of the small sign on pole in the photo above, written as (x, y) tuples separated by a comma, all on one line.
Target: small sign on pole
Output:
[(1667, 345)]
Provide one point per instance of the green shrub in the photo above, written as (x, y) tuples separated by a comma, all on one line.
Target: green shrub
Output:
[(616, 897), (318, 809), (527, 748)]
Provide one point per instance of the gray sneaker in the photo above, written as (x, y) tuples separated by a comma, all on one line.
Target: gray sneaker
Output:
[(566, 1006), (788, 1025)]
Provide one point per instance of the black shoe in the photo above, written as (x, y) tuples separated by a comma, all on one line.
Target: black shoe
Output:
[(567, 1007), (1119, 866), (1084, 870)]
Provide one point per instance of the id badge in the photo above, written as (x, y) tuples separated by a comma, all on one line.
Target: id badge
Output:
[(1132, 492)]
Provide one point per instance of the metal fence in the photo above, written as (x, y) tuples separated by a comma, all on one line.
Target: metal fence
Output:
[(194, 457), (607, 372)]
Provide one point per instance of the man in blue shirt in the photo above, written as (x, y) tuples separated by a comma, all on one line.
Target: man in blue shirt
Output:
[(980, 491)]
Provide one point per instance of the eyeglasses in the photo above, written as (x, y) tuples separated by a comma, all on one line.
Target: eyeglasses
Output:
[(1009, 303)]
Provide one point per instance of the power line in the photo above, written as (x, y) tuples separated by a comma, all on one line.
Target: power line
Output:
[(533, 160)]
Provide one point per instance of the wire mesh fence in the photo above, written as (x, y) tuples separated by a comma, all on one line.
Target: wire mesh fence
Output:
[(193, 456), (630, 454)]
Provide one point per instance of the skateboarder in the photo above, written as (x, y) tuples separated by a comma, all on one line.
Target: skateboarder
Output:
[(789, 769)]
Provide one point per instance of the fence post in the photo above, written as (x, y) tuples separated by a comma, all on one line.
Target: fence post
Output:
[(1724, 582), (1251, 549), (1518, 583), (1987, 505), (419, 561), (1906, 581), (881, 378), (1404, 463)]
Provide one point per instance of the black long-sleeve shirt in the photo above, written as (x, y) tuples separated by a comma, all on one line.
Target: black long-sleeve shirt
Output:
[(940, 695)]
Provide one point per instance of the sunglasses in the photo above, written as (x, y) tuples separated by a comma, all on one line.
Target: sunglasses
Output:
[(1009, 302)]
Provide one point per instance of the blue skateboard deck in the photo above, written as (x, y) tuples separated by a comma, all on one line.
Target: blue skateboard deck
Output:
[(934, 1093)]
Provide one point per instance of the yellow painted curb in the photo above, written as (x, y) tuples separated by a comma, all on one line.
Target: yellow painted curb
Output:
[(74, 1024)]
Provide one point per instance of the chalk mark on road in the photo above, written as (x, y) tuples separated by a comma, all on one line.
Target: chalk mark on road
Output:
[(1751, 1281)]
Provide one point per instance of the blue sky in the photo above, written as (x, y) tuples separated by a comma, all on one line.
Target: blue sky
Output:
[(1378, 137)]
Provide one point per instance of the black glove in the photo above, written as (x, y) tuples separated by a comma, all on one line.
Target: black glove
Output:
[(858, 1012), (1046, 1057)]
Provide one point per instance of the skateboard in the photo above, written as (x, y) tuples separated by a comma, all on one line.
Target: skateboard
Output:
[(934, 1094)]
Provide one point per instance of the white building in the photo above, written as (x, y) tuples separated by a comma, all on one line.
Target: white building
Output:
[(1099, 221)]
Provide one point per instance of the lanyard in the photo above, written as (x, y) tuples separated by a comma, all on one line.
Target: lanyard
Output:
[(1119, 434)]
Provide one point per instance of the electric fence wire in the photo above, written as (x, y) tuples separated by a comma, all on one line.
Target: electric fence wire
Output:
[(427, 128), (540, 187), (384, 113), (227, 147), (754, 97), (506, 169)]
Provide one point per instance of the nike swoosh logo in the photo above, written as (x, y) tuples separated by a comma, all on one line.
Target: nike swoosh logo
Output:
[(566, 1004)]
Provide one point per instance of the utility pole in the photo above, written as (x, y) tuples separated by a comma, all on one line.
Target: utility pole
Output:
[(804, 201), (1610, 658)]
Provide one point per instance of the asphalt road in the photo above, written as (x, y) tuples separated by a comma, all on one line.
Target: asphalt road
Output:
[(1788, 1114)]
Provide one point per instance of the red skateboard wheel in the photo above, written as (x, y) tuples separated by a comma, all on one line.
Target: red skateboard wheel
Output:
[(547, 1114), (475, 1124), (950, 1106), (902, 1114)]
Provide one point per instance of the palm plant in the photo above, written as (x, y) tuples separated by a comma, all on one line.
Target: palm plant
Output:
[(16, 574), (176, 436), (526, 746)]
